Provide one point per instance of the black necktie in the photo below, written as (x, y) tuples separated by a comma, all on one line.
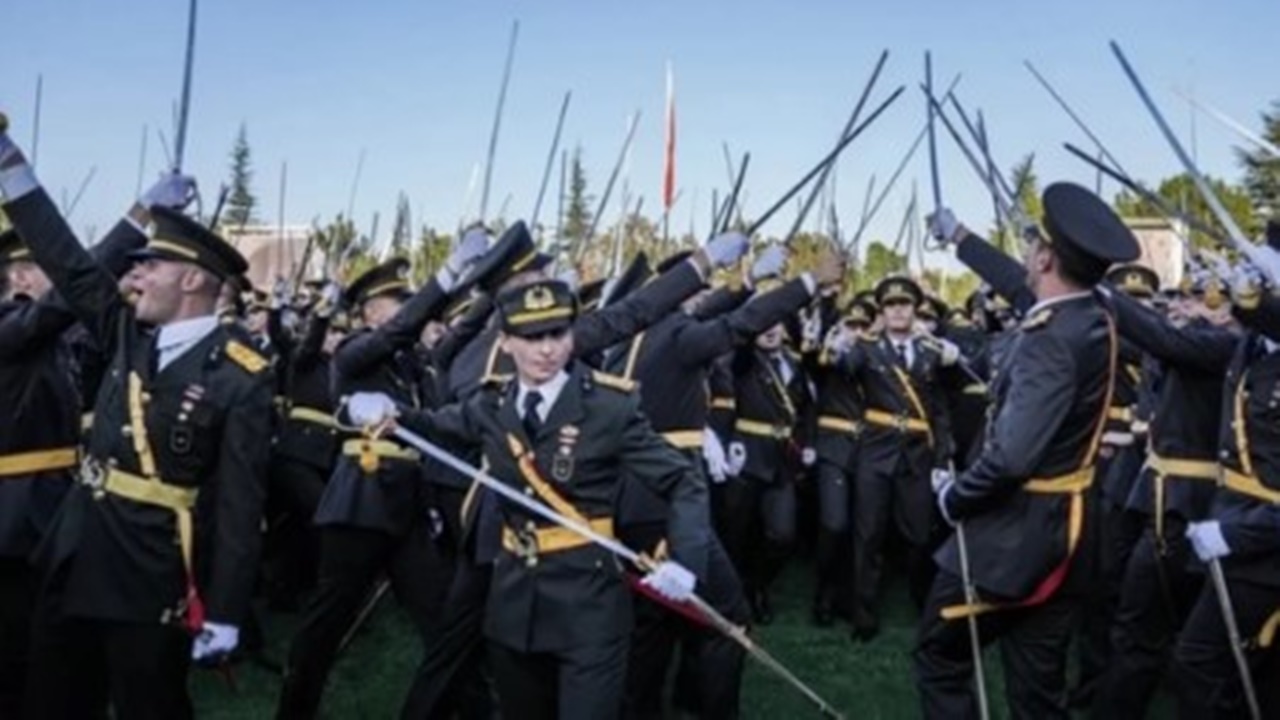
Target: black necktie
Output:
[(901, 349), (532, 423)]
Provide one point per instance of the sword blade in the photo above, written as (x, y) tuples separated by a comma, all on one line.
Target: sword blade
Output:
[(1215, 205), (184, 105), (932, 109)]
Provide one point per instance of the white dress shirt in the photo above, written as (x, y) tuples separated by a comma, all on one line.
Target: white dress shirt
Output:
[(550, 391), (176, 338)]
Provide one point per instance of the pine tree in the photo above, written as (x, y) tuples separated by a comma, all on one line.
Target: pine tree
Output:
[(241, 201), (1262, 169), (577, 220)]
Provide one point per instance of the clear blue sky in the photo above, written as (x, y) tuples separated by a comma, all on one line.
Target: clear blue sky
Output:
[(415, 83)]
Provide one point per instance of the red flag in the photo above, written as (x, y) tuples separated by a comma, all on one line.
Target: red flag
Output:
[(669, 148)]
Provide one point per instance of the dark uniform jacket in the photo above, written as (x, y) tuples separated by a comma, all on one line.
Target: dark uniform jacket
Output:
[(1049, 402), (1184, 426), (914, 394), (671, 361), (543, 599), (369, 488), (207, 424), (1249, 506), (307, 372), (41, 351), (769, 408)]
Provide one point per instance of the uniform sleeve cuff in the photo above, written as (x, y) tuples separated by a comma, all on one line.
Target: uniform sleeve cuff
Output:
[(17, 181)]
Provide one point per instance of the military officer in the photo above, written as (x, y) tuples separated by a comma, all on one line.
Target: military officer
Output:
[(42, 355), (160, 542), (559, 611), (906, 439), (1025, 504), (375, 513), (839, 431)]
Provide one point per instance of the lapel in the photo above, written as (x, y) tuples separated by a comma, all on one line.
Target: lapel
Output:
[(509, 415), (568, 409), (187, 366)]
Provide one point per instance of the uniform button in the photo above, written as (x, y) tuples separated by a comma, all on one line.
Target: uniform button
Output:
[(528, 491), (529, 526), (1224, 455), (126, 431)]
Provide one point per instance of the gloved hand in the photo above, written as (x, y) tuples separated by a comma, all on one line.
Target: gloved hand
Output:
[(940, 478), (16, 176), (330, 296), (569, 276), (369, 408), (838, 341), (467, 250), (810, 330), (173, 191), (949, 351), (769, 263), (944, 227), (279, 293), (671, 580), (1246, 281), (713, 455), (737, 458), (808, 456), (726, 249), (214, 642), (1207, 540)]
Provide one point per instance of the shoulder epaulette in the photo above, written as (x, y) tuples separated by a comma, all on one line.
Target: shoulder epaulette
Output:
[(620, 384), (496, 379), (246, 357), (1038, 319)]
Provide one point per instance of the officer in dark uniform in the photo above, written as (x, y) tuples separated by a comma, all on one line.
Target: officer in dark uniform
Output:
[(839, 431), (559, 611), (514, 262), (1242, 533), (40, 435), (907, 437), (1025, 505), (670, 362), (306, 444), (375, 513), (1120, 460), (1176, 487), (772, 392), (160, 541)]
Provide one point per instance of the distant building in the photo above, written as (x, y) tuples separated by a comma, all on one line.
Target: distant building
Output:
[(1162, 250), (272, 253)]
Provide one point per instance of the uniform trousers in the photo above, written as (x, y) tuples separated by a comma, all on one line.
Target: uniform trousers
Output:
[(835, 508), (1033, 649), (1158, 591), (710, 671), (17, 601), (1207, 682), (352, 560), (585, 682), (759, 527)]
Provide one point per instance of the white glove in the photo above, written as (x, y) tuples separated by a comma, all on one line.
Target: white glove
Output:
[(769, 263), (942, 491), (950, 351), (940, 478), (173, 190), (838, 341), (16, 176), (808, 456), (569, 276), (467, 250), (943, 225), (368, 408), (811, 329), (1246, 279), (726, 249), (279, 293), (671, 580), (215, 641), (330, 296), (737, 458), (1207, 540), (713, 454)]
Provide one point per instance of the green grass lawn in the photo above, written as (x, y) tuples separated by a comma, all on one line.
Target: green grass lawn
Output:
[(868, 682)]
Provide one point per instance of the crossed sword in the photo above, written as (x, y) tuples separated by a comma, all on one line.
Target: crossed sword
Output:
[(641, 561)]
